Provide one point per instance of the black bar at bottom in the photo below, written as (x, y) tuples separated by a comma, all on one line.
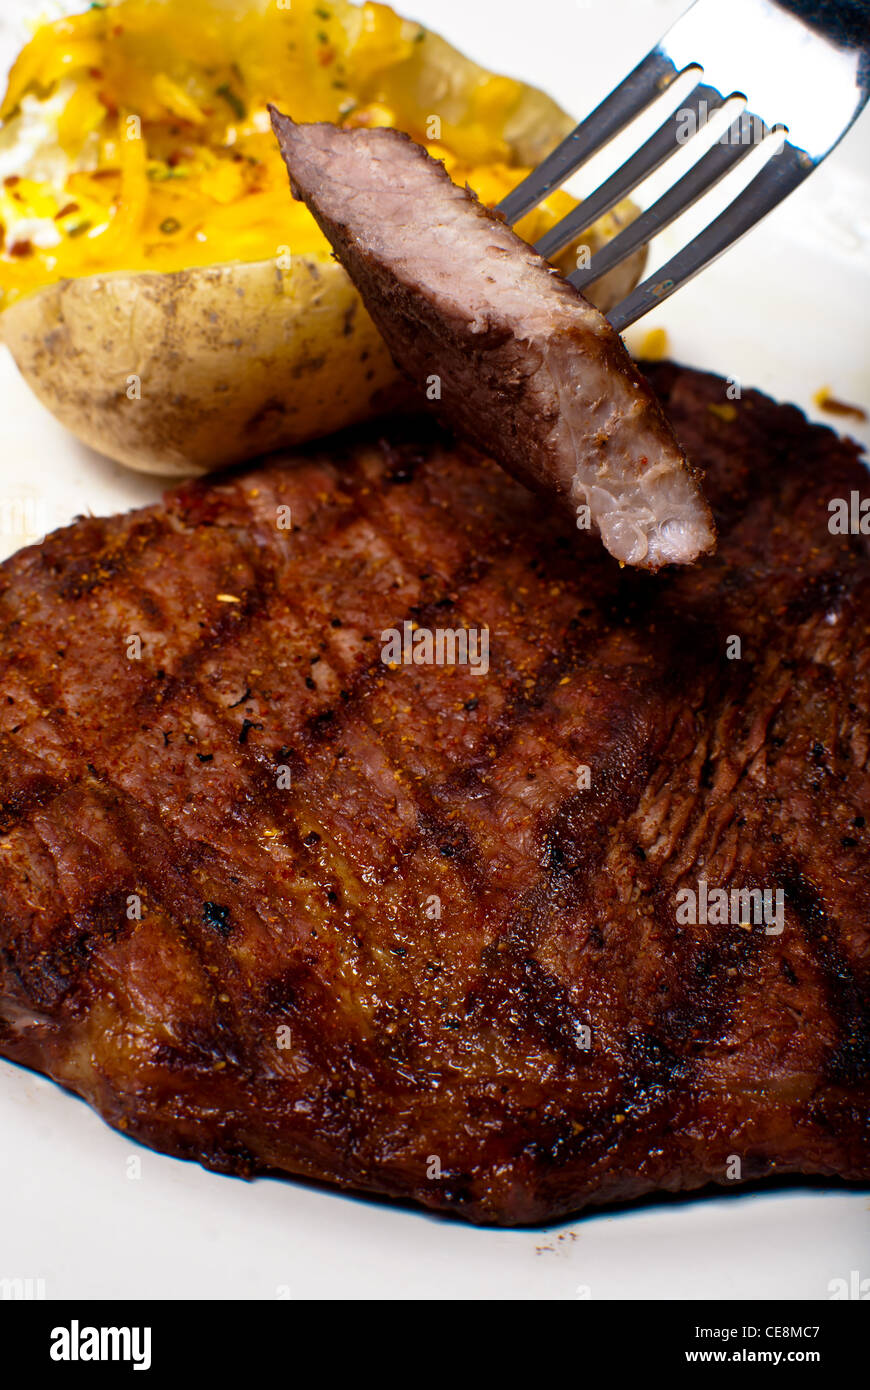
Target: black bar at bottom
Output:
[(220, 1340)]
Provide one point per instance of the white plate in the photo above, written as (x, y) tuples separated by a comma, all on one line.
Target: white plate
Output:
[(785, 311)]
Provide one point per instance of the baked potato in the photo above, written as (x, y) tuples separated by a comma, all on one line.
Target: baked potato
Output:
[(159, 289)]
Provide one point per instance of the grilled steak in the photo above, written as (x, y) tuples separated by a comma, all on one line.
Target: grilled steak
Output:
[(514, 357), (274, 897)]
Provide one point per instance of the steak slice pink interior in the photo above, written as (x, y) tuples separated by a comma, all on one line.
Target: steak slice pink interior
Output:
[(513, 357)]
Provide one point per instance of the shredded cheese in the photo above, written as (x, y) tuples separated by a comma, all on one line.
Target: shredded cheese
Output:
[(165, 154)]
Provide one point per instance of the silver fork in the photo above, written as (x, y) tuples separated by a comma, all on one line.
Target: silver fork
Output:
[(802, 68)]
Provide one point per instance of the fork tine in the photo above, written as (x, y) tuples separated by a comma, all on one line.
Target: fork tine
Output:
[(779, 177), (709, 170), (643, 162), (651, 76)]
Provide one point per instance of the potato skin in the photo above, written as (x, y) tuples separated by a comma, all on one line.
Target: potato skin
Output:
[(239, 359), (232, 361)]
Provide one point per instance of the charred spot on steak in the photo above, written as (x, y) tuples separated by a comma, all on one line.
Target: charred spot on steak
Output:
[(217, 915)]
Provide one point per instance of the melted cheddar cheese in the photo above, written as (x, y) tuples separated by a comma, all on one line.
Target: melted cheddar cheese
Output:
[(145, 142)]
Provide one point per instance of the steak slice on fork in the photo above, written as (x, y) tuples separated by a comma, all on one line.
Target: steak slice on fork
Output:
[(513, 356)]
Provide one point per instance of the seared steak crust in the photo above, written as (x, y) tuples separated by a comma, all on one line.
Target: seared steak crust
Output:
[(443, 1058)]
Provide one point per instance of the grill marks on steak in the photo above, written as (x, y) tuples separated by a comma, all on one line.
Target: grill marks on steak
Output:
[(460, 1037), (528, 370)]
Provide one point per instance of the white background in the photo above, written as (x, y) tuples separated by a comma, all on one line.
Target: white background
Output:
[(786, 310)]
